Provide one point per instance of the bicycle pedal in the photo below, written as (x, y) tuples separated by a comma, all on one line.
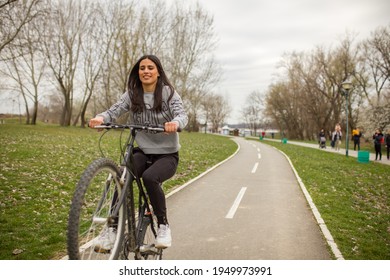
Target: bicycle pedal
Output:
[(101, 250), (148, 249)]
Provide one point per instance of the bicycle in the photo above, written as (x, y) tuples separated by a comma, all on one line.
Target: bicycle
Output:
[(105, 199)]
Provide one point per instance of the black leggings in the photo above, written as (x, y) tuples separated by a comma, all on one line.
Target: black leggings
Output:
[(154, 170), (378, 151)]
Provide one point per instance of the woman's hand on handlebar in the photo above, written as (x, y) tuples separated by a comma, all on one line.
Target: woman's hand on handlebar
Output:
[(171, 127), (95, 121)]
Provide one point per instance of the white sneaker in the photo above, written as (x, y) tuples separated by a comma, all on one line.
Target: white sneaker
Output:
[(105, 242), (164, 239)]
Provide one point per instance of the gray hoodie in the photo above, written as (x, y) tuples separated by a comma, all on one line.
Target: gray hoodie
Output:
[(152, 143)]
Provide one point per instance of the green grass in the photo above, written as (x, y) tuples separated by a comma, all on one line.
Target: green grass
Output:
[(40, 166), (352, 197)]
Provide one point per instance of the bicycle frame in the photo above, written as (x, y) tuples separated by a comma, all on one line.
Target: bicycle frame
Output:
[(128, 175)]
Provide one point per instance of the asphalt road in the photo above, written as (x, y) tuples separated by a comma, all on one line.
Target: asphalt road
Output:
[(250, 207)]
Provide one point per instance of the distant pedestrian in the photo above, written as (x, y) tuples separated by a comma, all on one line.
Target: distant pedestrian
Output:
[(322, 139), (378, 140), (356, 134), (387, 143), (336, 137)]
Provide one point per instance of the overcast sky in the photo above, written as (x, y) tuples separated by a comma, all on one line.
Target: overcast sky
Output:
[(254, 34)]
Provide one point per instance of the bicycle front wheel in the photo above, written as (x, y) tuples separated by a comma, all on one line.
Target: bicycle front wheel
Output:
[(90, 215), (146, 236)]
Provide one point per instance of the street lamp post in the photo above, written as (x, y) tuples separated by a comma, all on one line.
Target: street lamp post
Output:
[(347, 86)]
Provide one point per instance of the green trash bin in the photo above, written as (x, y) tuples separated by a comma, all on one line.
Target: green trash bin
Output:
[(261, 137), (363, 156), (284, 140)]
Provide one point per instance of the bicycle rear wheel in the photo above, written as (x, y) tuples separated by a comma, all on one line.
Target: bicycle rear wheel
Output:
[(95, 197)]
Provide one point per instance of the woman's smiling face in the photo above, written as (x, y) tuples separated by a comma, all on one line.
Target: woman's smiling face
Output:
[(148, 74)]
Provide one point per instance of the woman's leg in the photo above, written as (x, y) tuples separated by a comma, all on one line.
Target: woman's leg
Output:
[(163, 168)]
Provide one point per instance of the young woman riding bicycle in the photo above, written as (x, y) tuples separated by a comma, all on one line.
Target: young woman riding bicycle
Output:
[(151, 99)]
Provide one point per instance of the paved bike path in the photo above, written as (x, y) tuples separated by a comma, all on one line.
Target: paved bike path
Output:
[(272, 220), (342, 151)]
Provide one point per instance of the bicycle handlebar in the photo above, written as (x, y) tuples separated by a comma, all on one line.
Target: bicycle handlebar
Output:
[(132, 126)]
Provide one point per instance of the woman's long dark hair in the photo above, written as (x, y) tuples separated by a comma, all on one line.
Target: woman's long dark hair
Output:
[(135, 89)]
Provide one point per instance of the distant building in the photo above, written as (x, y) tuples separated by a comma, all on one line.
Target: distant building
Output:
[(225, 130)]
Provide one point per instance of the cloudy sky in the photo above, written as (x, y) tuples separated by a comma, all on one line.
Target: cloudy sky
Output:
[(254, 34)]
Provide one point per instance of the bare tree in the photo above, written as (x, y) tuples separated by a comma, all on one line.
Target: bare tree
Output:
[(26, 68), (193, 70), (14, 15), (216, 109), (61, 46), (252, 112), (311, 91), (154, 27), (122, 37), (283, 107), (338, 65), (374, 75), (24, 64), (94, 50)]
